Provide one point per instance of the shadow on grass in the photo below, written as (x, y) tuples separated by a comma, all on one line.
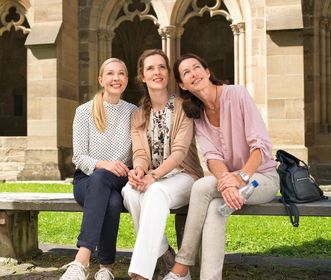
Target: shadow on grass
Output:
[(317, 249)]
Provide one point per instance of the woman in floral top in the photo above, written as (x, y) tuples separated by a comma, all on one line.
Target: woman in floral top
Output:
[(165, 165)]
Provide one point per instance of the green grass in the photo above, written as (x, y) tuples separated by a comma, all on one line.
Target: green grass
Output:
[(245, 234)]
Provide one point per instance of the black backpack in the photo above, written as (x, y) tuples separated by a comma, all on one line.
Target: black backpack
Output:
[(296, 184)]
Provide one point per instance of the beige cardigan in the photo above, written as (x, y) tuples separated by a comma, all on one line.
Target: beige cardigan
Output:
[(182, 144)]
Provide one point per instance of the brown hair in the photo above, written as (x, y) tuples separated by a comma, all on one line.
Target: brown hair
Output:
[(145, 101), (98, 110), (192, 106)]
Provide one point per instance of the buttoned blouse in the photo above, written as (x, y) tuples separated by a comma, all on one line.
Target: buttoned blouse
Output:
[(90, 145), (241, 131)]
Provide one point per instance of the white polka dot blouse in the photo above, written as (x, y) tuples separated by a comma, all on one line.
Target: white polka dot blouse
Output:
[(91, 145)]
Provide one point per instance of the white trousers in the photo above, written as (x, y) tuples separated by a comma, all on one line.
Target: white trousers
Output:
[(149, 211)]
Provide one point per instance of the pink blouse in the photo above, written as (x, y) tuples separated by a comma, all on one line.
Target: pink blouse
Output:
[(241, 131)]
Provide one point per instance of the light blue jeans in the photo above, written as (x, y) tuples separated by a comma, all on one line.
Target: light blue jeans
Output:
[(206, 226)]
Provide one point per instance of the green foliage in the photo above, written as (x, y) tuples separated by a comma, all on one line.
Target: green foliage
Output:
[(245, 234)]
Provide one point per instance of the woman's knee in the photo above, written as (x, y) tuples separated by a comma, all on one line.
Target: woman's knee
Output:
[(204, 186), (102, 178), (115, 204), (130, 195)]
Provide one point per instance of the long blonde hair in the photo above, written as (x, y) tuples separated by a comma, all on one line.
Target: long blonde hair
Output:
[(98, 109)]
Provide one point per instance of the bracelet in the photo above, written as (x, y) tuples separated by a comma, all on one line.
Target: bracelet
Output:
[(155, 177)]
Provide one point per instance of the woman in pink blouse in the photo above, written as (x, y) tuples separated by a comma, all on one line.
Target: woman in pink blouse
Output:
[(235, 144)]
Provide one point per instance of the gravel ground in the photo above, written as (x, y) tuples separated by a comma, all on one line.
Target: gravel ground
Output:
[(48, 266)]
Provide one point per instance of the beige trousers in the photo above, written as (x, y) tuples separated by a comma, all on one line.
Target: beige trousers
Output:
[(205, 226)]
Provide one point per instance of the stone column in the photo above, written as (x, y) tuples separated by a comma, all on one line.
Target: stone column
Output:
[(168, 35), (179, 33), (328, 70), (104, 45), (235, 31), (242, 53), (323, 76)]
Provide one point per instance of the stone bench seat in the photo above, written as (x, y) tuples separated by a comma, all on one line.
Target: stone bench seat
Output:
[(19, 217)]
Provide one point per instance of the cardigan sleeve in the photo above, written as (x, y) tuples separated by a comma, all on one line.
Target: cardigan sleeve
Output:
[(139, 153), (81, 157)]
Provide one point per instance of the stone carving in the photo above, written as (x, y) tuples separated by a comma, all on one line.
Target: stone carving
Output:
[(199, 11), (12, 15)]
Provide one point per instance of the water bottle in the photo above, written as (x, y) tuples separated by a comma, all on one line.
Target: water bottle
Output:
[(245, 191)]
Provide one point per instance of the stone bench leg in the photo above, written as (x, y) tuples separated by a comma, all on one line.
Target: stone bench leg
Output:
[(19, 234)]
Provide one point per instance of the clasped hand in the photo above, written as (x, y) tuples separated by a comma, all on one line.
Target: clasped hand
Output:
[(228, 185), (138, 180)]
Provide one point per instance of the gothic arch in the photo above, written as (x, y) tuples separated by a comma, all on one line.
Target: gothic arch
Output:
[(161, 13), (104, 19), (235, 18), (235, 11)]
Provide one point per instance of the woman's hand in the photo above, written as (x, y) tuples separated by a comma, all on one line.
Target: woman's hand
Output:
[(117, 167), (228, 180), (232, 197), (143, 183), (135, 177), (146, 182)]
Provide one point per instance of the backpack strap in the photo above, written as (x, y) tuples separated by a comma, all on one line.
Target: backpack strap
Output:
[(292, 211)]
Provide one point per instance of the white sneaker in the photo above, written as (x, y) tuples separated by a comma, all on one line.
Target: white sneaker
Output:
[(173, 276), (75, 271), (104, 274)]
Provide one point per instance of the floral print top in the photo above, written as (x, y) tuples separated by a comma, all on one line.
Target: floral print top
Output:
[(159, 131)]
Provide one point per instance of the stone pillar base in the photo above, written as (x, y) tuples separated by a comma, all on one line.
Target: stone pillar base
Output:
[(19, 234), (40, 165)]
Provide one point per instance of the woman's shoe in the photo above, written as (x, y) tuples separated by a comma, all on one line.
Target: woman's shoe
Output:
[(104, 274), (75, 271), (173, 276)]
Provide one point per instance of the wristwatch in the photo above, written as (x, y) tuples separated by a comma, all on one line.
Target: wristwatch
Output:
[(244, 177), (153, 174)]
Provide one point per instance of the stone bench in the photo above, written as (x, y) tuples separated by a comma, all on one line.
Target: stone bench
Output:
[(19, 217)]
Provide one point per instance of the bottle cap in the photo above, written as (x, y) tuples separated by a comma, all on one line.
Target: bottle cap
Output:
[(254, 183)]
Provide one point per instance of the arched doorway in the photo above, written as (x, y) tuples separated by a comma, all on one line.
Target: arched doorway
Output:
[(212, 39), (13, 83), (131, 39), (207, 32)]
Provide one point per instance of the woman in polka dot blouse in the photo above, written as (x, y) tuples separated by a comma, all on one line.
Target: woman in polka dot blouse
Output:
[(165, 164), (102, 156)]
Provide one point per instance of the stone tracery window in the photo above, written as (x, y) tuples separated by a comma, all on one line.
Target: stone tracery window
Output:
[(12, 16)]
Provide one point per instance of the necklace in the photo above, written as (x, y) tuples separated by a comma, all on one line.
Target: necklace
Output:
[(214, 108)]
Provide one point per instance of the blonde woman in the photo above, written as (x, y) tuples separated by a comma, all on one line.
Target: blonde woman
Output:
[(102, 156), (165, 163)]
